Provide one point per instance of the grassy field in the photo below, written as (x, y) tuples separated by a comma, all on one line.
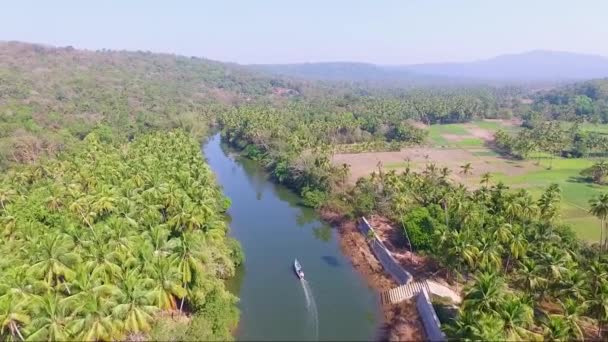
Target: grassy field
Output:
[(456, 144), (474, 134), (575, 193)]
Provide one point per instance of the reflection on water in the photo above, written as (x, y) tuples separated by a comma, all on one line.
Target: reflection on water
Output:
[(323, 233), (331, 261), (273, 230)]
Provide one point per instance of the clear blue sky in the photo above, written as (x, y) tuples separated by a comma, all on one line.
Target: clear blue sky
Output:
[(272, 31)]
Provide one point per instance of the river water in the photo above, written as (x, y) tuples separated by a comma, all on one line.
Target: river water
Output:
[(333, 304)]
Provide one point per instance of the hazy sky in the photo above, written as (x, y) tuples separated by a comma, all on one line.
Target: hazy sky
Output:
[(272, 31)]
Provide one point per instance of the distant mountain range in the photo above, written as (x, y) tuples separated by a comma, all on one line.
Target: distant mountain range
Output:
[(541, 66)]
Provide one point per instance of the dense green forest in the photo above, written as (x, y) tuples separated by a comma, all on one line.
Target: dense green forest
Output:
[(110, 223), (108, 226), (52, 97), (529, 277), (100, 240), (295, 140), (586, 100), (553, 138)]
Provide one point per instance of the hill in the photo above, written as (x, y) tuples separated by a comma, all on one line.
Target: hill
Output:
[(50, 96), (366, 73), (529, 66), (334, 71), (535, 66)]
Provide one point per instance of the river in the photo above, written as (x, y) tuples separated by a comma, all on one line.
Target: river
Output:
[(333, 304)]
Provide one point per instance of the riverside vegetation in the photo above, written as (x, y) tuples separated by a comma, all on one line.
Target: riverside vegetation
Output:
[(111, 226), (111, 229), (100, 241), (528, 276)]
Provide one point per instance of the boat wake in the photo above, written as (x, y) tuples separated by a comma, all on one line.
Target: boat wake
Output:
[(311, 305)]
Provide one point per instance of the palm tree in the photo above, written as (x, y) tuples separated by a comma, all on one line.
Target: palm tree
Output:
[(17, 284), (529, 275), (445, 172), (96, 243), (511, 208), (598, 306), (485, 179), (93, 319), (52, 316), (463, 326), (101, 261), (488, 327), (518, 247), (135, 309), (556, 329), (191, 258), (466, 169), (13, 317), (167, 283), (54, 258), (6, 195), (344, 172), (490, 252), (486, 293), (460, 248), (517, 317), (599, 208), (527, 208), (571, 317), (574, 285), (548, 202)]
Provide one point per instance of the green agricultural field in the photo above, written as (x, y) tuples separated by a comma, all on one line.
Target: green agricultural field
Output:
[(575, 193), (462, 135), (453, 145), (599, 128), (565, 172), (437, 133)]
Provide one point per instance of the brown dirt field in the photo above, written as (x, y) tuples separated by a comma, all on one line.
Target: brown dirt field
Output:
[(401, 321), (363, 164), (481, 133)]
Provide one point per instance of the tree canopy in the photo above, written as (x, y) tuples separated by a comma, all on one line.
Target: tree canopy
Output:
[(101, 240)]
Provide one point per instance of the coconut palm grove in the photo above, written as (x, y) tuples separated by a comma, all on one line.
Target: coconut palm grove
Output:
[(101, 242), (113, 225)]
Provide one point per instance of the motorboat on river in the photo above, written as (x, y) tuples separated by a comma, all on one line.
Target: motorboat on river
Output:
[(298, 269)]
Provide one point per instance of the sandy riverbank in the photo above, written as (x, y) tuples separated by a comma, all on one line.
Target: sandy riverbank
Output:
[(401, 321)]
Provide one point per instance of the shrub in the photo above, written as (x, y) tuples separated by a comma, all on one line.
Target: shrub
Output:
[(313, 198), (419, 226)]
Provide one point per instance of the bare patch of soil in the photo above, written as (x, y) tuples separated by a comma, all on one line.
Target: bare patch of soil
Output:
[(401, 321), (363, 164), (404, 323), (481, 133)]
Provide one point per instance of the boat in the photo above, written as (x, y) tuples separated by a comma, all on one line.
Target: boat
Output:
[(298, 268)]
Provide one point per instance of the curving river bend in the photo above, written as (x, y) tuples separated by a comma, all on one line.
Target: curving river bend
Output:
[(334, 303)]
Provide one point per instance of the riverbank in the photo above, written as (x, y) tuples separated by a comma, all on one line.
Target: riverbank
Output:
[(401, 321), (273, 228)]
